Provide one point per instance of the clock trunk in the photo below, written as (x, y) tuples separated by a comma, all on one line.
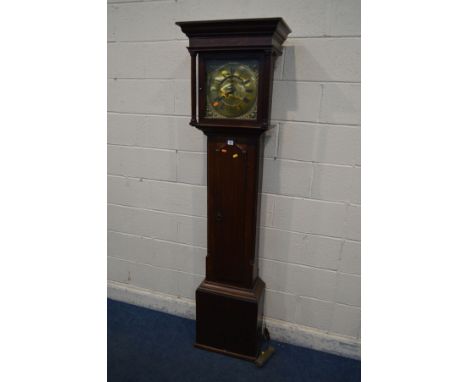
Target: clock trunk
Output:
[(233, 183)]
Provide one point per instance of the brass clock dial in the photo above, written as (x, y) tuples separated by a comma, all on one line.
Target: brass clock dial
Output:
[(232, 89)]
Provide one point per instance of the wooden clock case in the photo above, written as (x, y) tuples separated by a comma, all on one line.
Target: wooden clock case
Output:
[(229, 302)]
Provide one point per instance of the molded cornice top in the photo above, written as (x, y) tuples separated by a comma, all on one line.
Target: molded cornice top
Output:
[(272, 31)]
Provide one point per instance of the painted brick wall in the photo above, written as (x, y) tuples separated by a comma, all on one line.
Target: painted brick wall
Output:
[(310, 236)]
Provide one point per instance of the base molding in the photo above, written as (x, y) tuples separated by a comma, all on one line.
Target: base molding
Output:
[(230, 319), (279, 330), (225, 352)]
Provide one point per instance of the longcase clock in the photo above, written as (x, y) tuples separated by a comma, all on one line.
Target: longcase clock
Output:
[(232, 64)]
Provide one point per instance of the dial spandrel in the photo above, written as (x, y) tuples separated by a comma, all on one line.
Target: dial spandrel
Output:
[(232, 89)]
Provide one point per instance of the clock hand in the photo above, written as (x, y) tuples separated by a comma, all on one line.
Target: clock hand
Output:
[(232, 87)]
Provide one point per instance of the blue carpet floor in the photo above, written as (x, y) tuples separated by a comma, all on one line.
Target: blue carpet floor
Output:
[(148, 346)]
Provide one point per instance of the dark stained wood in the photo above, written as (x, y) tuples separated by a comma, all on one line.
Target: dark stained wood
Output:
[(267, 91), (240, 34), (193, 75), (229, 302), (229, 319), (232, 207)]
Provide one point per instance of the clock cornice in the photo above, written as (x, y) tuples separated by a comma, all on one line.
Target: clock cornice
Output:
[(236, 34)]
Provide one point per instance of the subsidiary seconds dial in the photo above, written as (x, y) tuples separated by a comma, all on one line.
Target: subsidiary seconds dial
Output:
[(232, 90)]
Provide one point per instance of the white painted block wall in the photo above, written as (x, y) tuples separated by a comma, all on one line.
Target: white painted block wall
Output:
[(310, 235)]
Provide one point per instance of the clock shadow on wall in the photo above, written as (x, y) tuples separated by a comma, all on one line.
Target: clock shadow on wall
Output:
[(284, 101), (285, 91)]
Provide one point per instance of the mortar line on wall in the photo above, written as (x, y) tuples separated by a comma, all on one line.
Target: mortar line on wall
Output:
[(174, 182), (176, 168), (283, 64), (158, 211), (357, 125), (335, 291), (148, 114), (337, 271), (311, 266), (155, 266), (200, 247), (341, 252), (332, 302), (303, 198), (176, 39), (142, 178), (140, 1), (353, 178), (145, 78), (328, 17), (263, 226), (300, 265), (156, 239), (274, 290), (317, 162), (278, 126), (162, 149), (286, 159), (325, 36), (342, 203), (312, 180), (143, 147), (320, 102), (332, 313), (204, 217), (163, 41), (165, 149), (204, 249), (113, 78), (311, 233), (302, 233), (310, 298), (353, 166), (148, 78), (306, 197), (157, 180), (345, 223)]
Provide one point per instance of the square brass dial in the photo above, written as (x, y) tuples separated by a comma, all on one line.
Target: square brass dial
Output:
[(232, 89)]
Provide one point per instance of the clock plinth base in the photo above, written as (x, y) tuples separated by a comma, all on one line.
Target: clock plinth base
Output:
[(230, 319)]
